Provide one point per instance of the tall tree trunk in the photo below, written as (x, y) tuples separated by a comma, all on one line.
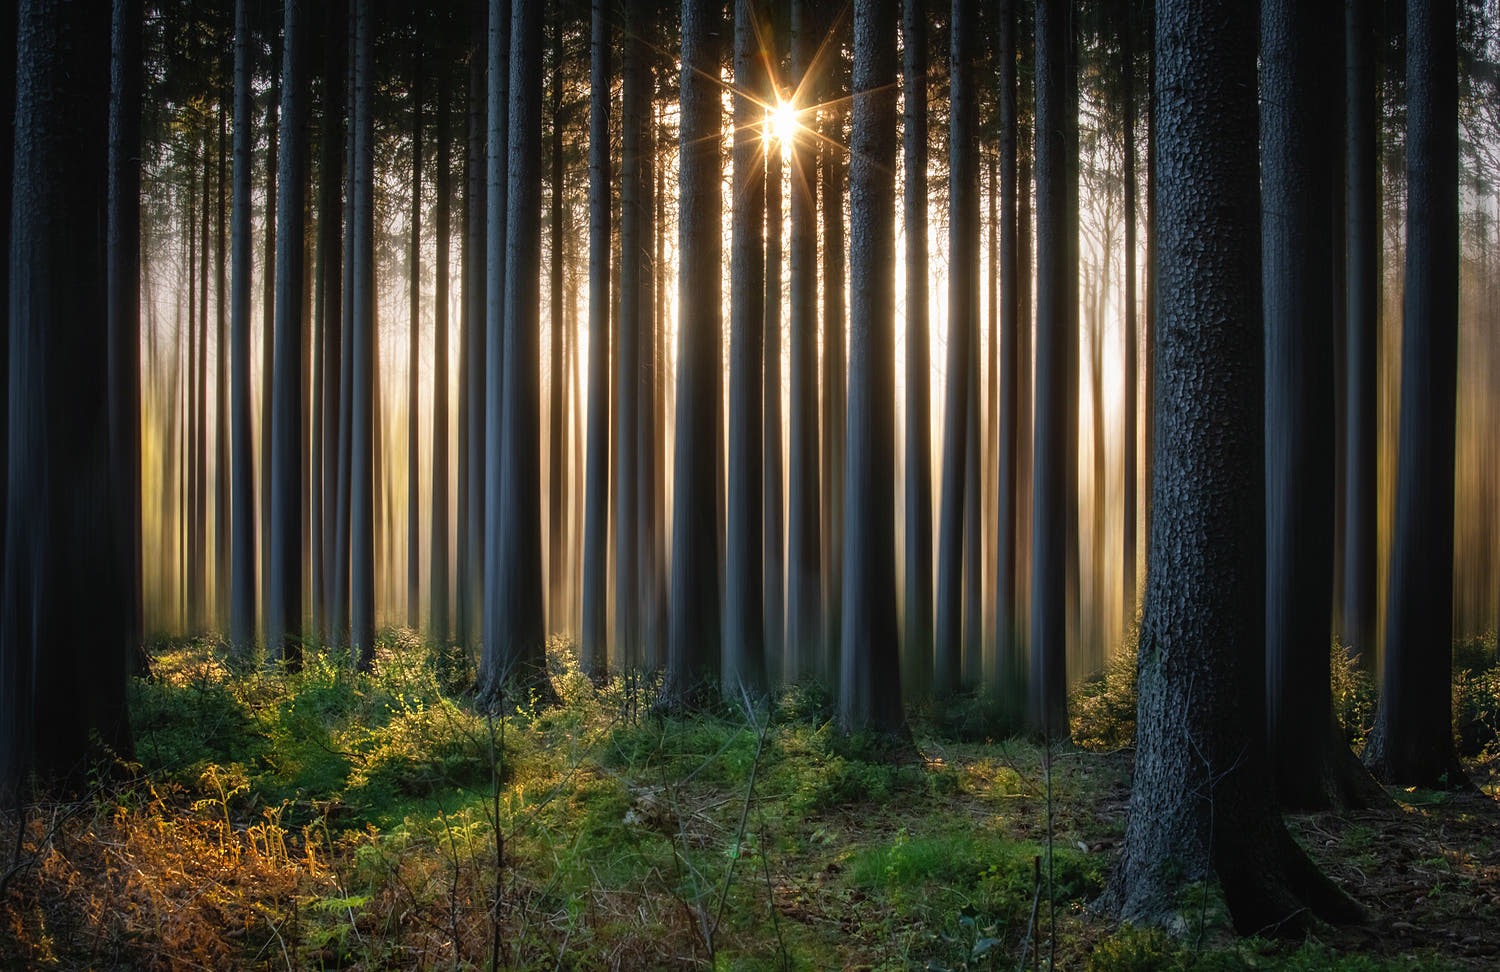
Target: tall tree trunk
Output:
[(515, 658), (202, 614), (1131, 365), (437, 624), (221, 381), (593, 644), (284, 604), (268, 325), (832, 152), (804, 593), (557, 472), (242, 499), (647, 501), (476, 330), (744, 606), (328, 306), (1362, 307), (414, 360), (123, 301), (628, 582), (1201, 807), (7, 167), (773, 489), (963, 305), (870, 675), (193, 527), (1412, 743), (362, 340), (917, 549), (694, 633), (1010, 667), (65, 614)]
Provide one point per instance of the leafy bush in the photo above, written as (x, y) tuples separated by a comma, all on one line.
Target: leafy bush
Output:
[(1354, 693), (1102, 709)]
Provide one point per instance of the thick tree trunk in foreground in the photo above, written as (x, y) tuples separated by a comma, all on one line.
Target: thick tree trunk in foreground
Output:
[(744, 617), (694, 634), (1412, 743), (66, 604), (592, 644), (870, 677), (1201, 808), (917, 550), (515, 658)]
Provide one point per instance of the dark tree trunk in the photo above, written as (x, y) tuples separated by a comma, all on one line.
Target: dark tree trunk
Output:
[(870, 677), (917, 551), (497, 178), (1412, 744), (804, 625), (629, 585), (1312, 765), (744, 607), (593, 646), (515, 661), (124, 302), (414, 359), (1054, 499), (7, 167), (1362, 309), (653, 595), (268, 326), (242, 499), (832, 152), (362, 340), (475, 356), (328, 306), (1010, 664), (1132, 343), (693, 638), (437, 624), (1201, 808), (66, 614), (557, 471), (773, 489), (221, 378), (284, 603)]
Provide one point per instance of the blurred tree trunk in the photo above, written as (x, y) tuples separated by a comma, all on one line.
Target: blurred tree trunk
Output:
[(242, 498), (363, 343), (414, 356), (438, 627)]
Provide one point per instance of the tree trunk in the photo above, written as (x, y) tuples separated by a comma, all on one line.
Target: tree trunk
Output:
[(284, 601), (832, 153), (557, 470), (870, 677), (694, 633), (1362, 308), (362, 341), (917, 550), (1201, 808), (328, 304), (221, 382), (414, 359), (65, 613), (1412, 744), (242, 499), (268, 325), (592, 643), (804, 594), (744, 606), (1131, 366), (476, 302), (628, 582), (437, 611), (515, 661), (773, 488)]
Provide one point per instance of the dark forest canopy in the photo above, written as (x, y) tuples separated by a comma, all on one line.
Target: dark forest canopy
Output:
[(914, 351)]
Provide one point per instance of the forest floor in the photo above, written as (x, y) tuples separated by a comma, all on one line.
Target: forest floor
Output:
[(324, 820)]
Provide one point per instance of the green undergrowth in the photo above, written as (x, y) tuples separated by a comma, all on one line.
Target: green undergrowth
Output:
[(323, 818)]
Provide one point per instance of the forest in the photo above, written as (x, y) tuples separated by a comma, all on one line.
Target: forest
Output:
[(746, 484)]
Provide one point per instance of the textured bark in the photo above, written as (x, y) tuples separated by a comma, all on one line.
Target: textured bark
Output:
[(362, 340), (1054, 499), (7, 165), (870, 677), (284, 600), (1362, 310), (694, 635), (744, 607), (242, 490), (437, 611), (804, 624), (593, 646), (515, 659), (65, 614), (917, 550), (1201, 807), (1412, 743)]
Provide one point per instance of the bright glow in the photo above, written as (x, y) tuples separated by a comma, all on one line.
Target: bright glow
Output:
[(783, 121)]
